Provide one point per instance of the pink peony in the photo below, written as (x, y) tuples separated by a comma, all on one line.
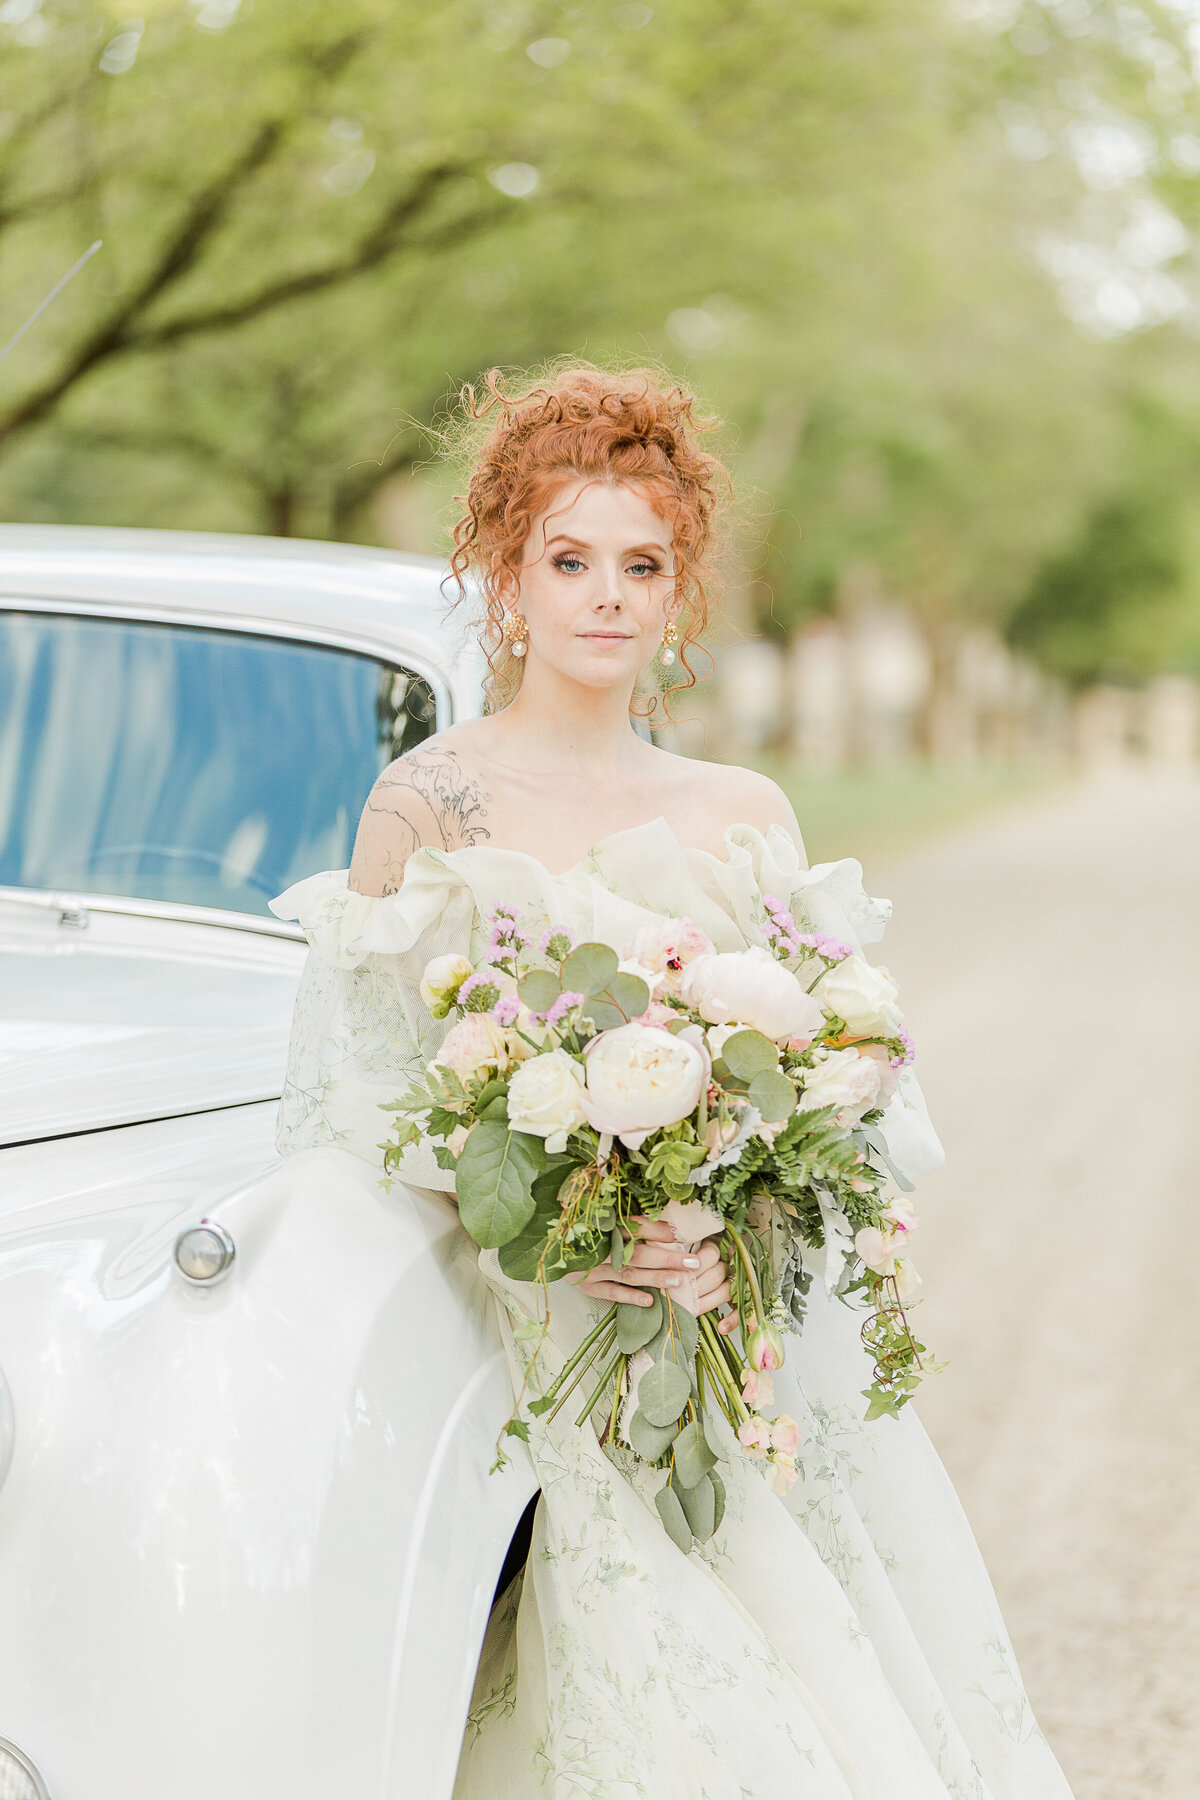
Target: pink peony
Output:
[(668, 946), (475, 1045)]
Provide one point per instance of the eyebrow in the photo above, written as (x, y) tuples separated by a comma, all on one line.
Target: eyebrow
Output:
[(561, 537)]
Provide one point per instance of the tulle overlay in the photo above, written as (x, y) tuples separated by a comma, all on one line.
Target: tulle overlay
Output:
[(843, 1641)]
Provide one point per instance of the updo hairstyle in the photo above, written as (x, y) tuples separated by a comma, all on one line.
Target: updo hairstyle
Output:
[(579, 421)]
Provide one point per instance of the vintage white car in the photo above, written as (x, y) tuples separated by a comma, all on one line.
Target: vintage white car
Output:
[(247, 1548)]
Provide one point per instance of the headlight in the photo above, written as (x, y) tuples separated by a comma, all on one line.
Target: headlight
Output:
[(203, 1254), (19, 1780)]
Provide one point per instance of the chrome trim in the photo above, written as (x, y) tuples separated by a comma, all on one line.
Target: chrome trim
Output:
[(41, 1791), (227, 1245), (163, 613), (71, 905)]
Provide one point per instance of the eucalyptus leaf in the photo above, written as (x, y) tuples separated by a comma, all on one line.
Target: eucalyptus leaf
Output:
[(589, 968), (539, 989), (718, 1488), (650, 1441), (636, 1325), (699, 1505), (693, 1458), (603, 1014), (493, 1182), (773, 1095), (674, 1518), (749, 1053), (630, 993), (664, 1391), (616, 1254), (680, 1328)]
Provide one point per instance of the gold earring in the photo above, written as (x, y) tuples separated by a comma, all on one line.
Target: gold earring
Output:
[(666, 655), (515, 632)]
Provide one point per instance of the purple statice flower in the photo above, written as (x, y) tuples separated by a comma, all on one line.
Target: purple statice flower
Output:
[(506, 1010), (910, 1050), (555, 1014), (556, 941), (483, 987)]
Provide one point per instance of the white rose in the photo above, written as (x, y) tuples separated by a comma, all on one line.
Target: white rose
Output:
[(441, 981), (748, 987), (545, 1097), (845, 1080), (639, 1078), (862, 995), (474, 1045)]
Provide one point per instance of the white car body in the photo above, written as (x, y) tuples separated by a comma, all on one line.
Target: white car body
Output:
[(248, 1537)]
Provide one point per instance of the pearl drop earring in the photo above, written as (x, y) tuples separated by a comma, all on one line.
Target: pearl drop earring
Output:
[(515, 632), (666, 655)]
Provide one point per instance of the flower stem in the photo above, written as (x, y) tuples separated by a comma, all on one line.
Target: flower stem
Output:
[(561, 1393), (600, 1386), (739, 1244)]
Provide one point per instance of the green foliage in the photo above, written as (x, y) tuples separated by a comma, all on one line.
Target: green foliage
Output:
[(495, 1174), (664, 1391)]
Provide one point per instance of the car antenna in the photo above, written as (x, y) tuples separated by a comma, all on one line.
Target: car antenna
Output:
[(57, 289)]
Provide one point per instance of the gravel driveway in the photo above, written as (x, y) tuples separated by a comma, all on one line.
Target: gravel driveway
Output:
[(1049, 960)]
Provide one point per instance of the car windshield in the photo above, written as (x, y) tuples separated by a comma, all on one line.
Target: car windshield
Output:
[(166, 762)]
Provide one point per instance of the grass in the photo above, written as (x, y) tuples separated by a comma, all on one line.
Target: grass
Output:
[(880, 813)]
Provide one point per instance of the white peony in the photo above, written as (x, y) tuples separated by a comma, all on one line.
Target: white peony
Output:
[(668, 946), (443, 977), (639, 1078), (473, 1046), (862, 995), (748, 987), (545, 1098), (843, 1079)]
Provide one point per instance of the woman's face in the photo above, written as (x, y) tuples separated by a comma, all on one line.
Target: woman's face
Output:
[(596, 583)]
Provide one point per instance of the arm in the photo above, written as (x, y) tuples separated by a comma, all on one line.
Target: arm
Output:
[(426, 797)]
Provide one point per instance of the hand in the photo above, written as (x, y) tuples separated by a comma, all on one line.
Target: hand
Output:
[(658, 1260)]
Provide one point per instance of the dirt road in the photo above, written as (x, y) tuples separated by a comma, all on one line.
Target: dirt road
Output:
[(1050, 963)]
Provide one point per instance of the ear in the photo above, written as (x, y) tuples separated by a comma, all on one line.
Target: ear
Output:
[(504, 582)]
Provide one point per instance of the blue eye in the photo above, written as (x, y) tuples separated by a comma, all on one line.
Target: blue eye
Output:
[(560, 562)]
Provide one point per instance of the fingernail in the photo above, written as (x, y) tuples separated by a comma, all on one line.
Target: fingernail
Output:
[(645, 1299), (673, 1280), (691, 1262)]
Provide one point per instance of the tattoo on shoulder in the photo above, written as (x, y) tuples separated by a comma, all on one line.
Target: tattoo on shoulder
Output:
[(452, 815)]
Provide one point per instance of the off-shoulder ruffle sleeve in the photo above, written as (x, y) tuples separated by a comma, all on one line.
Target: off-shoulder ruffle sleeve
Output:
[(344, 927)]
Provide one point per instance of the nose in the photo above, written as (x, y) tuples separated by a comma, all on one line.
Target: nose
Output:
[(610, 593)]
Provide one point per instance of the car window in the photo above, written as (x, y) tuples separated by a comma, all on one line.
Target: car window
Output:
[(175, 763)]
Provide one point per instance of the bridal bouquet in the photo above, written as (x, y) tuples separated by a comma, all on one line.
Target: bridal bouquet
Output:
[(734, 1095)]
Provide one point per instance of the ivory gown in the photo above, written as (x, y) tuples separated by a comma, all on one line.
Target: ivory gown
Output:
[(841, 1642)]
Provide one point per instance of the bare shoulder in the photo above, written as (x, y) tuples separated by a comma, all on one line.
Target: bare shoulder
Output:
[(432, 796), (746, 797)]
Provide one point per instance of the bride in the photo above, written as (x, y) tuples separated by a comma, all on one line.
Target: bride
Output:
[(842, 1640)]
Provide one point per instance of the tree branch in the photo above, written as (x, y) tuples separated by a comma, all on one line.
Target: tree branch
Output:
[(115, 335), (378, 244)]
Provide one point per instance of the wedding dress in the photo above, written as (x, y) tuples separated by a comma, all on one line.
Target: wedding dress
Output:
[(842, 1643)]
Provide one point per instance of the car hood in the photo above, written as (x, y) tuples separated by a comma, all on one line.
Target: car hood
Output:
[(135, 1019)]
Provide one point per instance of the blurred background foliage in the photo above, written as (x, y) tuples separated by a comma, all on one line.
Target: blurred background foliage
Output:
[(934, 263)]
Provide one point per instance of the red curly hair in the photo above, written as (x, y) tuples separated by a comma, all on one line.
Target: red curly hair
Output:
[(578, 421)]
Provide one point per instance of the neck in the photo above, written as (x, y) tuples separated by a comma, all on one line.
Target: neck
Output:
[(555, 722)]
